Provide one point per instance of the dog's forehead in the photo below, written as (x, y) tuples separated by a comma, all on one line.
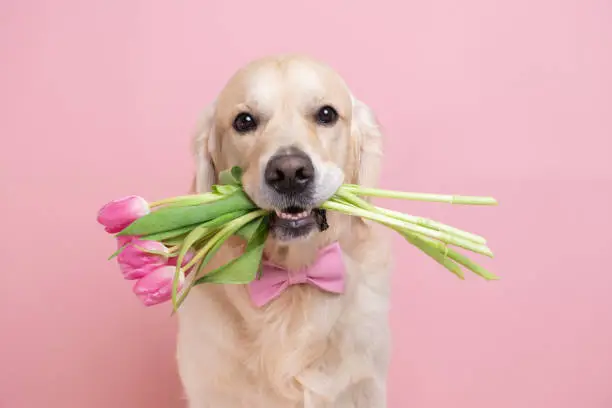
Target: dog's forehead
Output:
[(272, 84), (266, 86)]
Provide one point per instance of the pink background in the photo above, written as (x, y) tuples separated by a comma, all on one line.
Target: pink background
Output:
[(489, 97)]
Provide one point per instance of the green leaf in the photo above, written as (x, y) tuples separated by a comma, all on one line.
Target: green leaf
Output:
[(433, 253), (471, 265), (447, 257), (172, 242), (118, 251), (245, 268), (241, 270), (248, 231), (251, 233), (166, 219), (167, 235), (226, 218), (212, 246), (232, 176), (225, 189), (255, 232)]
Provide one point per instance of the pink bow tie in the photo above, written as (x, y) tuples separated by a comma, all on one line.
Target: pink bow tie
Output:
[(326, 273)]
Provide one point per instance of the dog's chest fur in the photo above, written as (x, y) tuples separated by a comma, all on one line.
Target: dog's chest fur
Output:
[(304, 341)]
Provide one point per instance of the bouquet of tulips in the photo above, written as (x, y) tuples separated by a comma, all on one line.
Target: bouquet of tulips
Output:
[(160, 243)]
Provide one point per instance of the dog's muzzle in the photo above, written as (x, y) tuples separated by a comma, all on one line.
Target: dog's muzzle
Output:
[(290, 177)]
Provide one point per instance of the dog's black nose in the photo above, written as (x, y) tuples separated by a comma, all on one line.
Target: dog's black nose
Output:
[(289, 173)]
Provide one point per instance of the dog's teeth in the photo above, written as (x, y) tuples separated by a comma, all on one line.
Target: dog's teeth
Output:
[(293, 217)]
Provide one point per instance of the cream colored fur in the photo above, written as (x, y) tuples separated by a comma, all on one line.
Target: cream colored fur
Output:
[(307, 348)]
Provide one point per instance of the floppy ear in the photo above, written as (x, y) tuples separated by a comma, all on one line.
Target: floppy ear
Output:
[(203, 144), (368, 144)]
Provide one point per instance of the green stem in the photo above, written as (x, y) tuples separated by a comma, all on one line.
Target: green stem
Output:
[(354, 200), (441, 198), (351, 199), (427, 223), (383, 219)]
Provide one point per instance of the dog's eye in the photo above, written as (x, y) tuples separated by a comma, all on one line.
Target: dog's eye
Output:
[(244, 122), (327, 116)]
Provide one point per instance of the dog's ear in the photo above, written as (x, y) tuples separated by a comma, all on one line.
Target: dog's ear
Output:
[(203, 144), (368, 144)]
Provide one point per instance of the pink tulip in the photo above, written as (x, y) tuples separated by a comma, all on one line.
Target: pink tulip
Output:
[(135, 262), (122, 240), (118, 214), (156, 287)]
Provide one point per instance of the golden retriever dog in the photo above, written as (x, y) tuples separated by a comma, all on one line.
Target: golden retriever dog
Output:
[(297, 131)]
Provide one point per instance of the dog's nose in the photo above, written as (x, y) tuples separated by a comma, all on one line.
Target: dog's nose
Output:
[(289, 173)]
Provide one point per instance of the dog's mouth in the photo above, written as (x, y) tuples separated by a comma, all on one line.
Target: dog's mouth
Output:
[(297, 222)]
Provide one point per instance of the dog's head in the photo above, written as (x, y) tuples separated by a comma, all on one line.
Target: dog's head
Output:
[(293, 126)]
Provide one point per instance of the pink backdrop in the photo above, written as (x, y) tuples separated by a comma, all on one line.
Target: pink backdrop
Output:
[(490, 97)]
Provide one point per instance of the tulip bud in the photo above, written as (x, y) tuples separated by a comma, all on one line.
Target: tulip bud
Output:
[(118, 214), (156, 287), (135, 262)]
